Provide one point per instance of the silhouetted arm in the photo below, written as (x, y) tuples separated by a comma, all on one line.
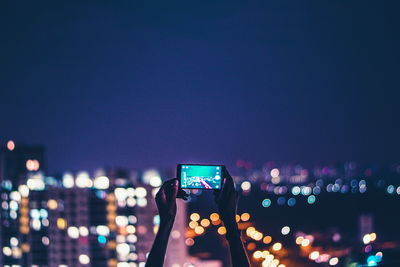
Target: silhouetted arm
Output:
[(226, 200), (157, 253), (166, 205)]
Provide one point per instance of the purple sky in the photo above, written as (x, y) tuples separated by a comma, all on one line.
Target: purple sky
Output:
[(141, 84)]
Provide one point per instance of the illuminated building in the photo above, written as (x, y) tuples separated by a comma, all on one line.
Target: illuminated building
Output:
[(17, 160)]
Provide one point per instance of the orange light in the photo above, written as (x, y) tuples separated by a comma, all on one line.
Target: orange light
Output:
[(221, 230), (32, 165), (193, 224), (299, 239), (199, 230), (52, 204), (205, 222), (250, 231), (251, 246), (245, 217), (195, 217), (237, 217), (61, 223), (25, 247), (214, 216), (217, 222), (305, 242), (267, 239)]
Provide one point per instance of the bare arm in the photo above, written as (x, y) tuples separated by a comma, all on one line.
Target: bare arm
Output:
[(226, 200), (157, 253), (166, 205)]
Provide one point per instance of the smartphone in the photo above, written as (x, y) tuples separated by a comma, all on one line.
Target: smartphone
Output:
[(196, 176)]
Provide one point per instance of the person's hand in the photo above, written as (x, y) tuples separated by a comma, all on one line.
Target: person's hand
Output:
[(226, 200), (166, 200)]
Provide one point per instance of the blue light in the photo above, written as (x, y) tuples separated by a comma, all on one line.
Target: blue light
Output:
[(291, 202), (372, 261), (311, 199), (281, 201), (101, 194), (266, 203), (102, 239), (156, 220)]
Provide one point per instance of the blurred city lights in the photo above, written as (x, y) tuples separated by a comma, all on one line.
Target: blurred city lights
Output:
[(333, 261), (246, 186), (285, 230), (10, 145), (277, 246)]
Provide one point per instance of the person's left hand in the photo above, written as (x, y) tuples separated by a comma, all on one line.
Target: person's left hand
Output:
[(166, 200)]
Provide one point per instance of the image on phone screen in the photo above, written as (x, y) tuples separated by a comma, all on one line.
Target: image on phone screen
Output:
[(201, 176)]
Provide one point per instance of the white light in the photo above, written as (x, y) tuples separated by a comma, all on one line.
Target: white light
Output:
[(130, 191), (131, 229), (13, 205), (367, 239), (246, 186), (123, 249), (333, 261), (285, 230), (35, 213), (121, 221), (152, 177), (45, 240), (68, 180), (123, 264), (83, 231), (14, 241), (15, 195), (73, 232), (36, 225), (155, 181), (314, 255), (141, 192), (84, 259), (131, 238), (120, 193), (82, 180), (102, 230), (274, 173), (23, 190), (142, 202), (101, 182), (131, 202), (35, 184), (7, 251)]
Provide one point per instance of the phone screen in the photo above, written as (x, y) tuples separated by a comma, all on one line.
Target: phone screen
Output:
[(200, 176)]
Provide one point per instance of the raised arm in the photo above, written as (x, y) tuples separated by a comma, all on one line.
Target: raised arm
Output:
[(226, 200), (166, 205)]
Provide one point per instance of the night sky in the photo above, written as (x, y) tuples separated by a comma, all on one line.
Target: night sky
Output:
[(139, 84)]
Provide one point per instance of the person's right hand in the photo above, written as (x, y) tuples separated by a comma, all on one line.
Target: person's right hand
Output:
[(227, 199), (166, 200)]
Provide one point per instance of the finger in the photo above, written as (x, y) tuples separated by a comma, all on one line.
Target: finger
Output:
[(174, 187), (182, 194), (160, 196)]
